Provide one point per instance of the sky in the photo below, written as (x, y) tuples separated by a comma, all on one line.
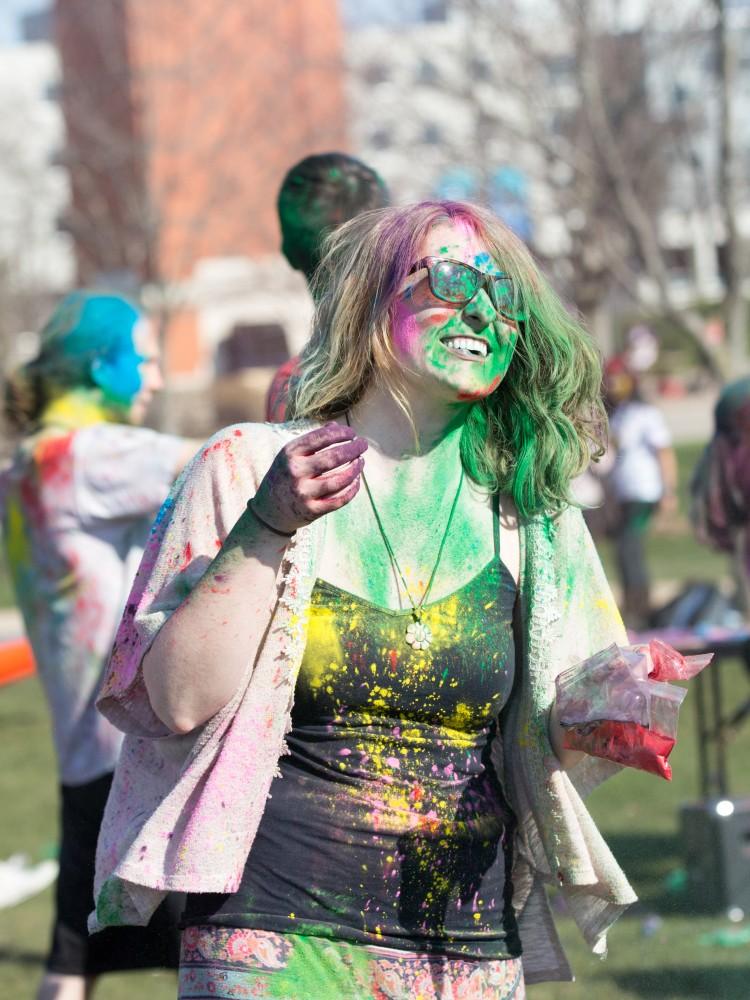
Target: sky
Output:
[(379, 11), (354, 12)]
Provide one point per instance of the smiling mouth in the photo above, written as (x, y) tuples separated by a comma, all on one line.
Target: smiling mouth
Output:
[(471, 348)]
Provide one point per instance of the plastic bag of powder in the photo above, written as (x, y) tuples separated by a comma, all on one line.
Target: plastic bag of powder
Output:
[(616, 704)]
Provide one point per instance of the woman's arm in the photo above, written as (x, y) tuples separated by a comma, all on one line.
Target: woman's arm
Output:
[(200, 654)]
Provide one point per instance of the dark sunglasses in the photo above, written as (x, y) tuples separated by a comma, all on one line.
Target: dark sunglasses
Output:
[(454, 281)]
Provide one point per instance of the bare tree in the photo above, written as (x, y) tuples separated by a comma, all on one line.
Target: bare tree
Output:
[(604, 155), (735, 305)]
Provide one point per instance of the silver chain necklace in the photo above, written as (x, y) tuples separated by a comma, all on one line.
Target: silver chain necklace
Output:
[(418, 633)]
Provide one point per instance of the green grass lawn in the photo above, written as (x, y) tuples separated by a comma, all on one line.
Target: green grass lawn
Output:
[(639, 815), (673, 553), (6, 590)]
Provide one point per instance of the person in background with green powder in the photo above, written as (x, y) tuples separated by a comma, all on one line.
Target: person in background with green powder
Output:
[(362, 611), (77, 503), (317, 195)]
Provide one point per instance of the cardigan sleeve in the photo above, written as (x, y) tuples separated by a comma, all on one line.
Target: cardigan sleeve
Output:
[(591, 622), (591, 619), (190, 528)]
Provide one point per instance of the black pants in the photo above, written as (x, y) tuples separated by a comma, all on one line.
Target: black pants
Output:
[(116, 949), (629, 535)]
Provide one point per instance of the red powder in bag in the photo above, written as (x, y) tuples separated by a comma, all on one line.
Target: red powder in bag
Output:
[(669, 665), (626, 743)]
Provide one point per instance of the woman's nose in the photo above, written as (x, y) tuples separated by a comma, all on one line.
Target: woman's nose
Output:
[(479, 312)]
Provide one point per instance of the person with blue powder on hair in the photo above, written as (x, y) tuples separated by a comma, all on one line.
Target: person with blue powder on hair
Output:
[(77, 502)]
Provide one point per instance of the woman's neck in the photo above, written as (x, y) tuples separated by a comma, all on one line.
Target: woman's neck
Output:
[(75, 409), (436, 427)]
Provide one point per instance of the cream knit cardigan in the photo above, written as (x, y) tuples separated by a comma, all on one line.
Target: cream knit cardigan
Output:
[(184, 809)]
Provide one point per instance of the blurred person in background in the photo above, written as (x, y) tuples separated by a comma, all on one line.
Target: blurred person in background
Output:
[(589, 491), (720, 486), (642, 480), (317, 195), (77, 504), (381, 661)]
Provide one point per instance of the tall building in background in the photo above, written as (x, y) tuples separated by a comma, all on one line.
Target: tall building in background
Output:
[(182, 117)]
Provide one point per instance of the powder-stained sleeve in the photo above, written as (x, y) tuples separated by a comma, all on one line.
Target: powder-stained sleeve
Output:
[(568, 613), (123, 472), (591, 622), (198, 514)]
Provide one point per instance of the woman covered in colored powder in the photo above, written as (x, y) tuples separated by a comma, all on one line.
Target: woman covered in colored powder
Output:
[(363, 612), (78, 500)]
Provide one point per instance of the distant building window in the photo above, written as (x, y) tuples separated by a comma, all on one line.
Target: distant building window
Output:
[(252, 346), (711, 61), (428, 73), (435, 10), (722, 260), (432, 135), (37, 26), (679, 261), (375, 73), (561, 68), (381, 139), (479, 69)]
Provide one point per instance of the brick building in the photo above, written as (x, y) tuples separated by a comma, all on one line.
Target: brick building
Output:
[(182, 117)]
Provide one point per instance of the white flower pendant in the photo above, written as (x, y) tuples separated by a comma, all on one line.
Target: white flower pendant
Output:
[(418, 634)]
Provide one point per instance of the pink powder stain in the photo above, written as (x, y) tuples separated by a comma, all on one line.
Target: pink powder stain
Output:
[(53, 456), (187, 556), (225, 444), (405, 328), (237, 432), (393, 762), (472, 397)]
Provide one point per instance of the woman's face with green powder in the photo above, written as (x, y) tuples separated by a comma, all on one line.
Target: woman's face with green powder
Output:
[(459, 353)]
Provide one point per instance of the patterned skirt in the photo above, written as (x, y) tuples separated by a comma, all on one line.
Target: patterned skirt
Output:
[(226, 963)]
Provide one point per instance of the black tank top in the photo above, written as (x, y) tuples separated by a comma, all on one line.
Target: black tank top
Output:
[(387, 824)]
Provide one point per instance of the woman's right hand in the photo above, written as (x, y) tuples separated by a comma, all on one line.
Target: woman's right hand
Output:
[(312, 475)]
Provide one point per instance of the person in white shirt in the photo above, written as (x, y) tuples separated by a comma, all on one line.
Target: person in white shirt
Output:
[(643, 479), (77, 503)]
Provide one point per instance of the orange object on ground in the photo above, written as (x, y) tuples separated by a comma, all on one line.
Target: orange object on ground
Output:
[(16, 661)]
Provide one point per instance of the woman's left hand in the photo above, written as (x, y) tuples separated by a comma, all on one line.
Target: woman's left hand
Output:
[(312, 475)]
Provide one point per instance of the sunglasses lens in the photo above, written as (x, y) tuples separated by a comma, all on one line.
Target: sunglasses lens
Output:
[(453, 282), (506, 301)]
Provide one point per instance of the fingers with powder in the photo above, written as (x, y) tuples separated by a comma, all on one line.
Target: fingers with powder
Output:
[(312, 475)]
